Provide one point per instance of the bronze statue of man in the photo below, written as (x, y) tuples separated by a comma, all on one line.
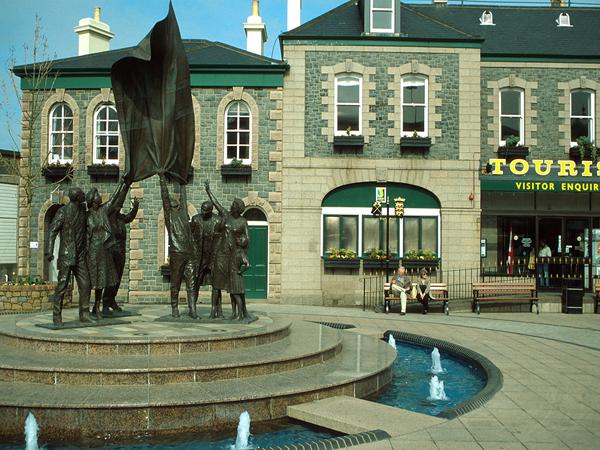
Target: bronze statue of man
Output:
[(70, 224), (182, 250), (204, 229), (118, 222)]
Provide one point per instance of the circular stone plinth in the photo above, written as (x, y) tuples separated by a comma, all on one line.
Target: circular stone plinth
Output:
[(139, 334)]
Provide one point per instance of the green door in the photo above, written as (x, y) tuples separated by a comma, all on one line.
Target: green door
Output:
[(255, 278)]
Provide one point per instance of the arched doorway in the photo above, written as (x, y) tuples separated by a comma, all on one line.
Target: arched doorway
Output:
[(256, 277), (50, 268)]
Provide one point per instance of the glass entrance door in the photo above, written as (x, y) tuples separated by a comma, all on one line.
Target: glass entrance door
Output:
[(549, 267)]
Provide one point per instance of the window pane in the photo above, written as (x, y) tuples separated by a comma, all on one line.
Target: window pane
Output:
[(231, 123), (429, 234), (56, 152), (112, 113), (579, 128), (393, 236), (370, 234), (411, 234), (101, 141), (68, 139), (349, 233), (413, 118), (244, 152), (244, 138), (56, 124), (382, 3), (348, 90), (68, 153), (581, 103), (510, 126), (100, 152), (244, 123), (231, 138), (511, 102), (68, 125), (56, 139), (113, 153), (113, 141), (243, 109), (231, 152), (382, 20), (100, 126), (331, 238), (414, 91), (113, 126), (348, 117), (66, 111)]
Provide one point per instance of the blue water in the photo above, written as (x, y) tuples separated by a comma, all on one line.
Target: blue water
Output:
[(409, 388), (277, 433)]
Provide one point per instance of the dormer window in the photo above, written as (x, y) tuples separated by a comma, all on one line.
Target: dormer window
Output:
[(382, 16), (564, 20), (486, 18)]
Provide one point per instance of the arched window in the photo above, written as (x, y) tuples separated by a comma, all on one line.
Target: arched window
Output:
[(106, 135), (582, 115), (414, 106), (511, 115), (348, 105), (237, 133), (60, 149)]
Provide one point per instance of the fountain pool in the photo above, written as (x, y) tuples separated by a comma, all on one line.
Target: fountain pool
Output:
[(410, 386)]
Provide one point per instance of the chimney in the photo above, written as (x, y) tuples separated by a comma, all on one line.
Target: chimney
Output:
[(440, 2), (94, 35), (256, 31), (294, 14)]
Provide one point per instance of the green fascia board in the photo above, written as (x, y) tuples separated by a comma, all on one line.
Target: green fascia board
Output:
[(207, 79), (490, 183), (541, 59), (362, 195), (371, 41)]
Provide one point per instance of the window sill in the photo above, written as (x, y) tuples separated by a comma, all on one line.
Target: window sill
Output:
[(58, 171), (103, 170), (415, 143), (348, 142), (236, 171), (341, 263), (519, 151)]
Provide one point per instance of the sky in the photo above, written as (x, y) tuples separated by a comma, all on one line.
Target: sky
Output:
[(131, 20)]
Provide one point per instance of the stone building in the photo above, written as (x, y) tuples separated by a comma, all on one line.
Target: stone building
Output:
[(238, 106)]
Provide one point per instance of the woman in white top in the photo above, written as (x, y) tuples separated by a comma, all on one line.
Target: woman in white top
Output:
[(544, 252)]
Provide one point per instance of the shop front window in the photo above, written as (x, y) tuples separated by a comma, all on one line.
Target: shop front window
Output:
[(374, 235), (340, 232), (421, 234)]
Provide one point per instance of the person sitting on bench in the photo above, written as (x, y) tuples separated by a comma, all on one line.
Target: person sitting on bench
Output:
[(423, 291), (401, 285)]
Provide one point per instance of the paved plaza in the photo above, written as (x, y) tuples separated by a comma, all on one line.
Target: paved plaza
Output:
[(550, 398)]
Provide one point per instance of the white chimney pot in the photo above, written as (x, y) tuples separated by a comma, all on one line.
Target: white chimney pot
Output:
[(94, 35), (294, 14)]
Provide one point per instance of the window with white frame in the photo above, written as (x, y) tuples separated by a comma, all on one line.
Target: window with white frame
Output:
[(238, 120), (348, 105), (414, 106), (106, 135), (582, 115), (420, 234), (340, 231), (382, 16), (375, 235), (61, 134), (511, 115)]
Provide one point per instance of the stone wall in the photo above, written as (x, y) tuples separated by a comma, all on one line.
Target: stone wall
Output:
[(23, 298)]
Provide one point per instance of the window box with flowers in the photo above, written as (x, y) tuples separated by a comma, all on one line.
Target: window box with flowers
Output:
[(416, 259), (341, 258), (348, 141), (375, 259), (58, 171), (585, 150), (236, 168), (103, 170), (415, 142), (512, 149)]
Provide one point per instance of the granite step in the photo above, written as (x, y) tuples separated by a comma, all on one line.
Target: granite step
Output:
[(361, 368), (307, 344)]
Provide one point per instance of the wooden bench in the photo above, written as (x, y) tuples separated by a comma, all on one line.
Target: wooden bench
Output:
[(505, 291), (597, 299), (438, 292)]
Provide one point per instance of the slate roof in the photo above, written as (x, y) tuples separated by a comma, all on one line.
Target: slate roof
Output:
[(519, 31), (201, 54)]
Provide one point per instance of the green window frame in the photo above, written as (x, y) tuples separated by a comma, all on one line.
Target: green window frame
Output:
[(381, 233), (340, 234), (427, 243)]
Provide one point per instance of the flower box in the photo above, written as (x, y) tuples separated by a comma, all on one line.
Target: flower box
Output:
[(348, 142), (103, 170), (380, 264), (57, 171), (236, 171), (575, 154), (165, 270), (420, 263), (415, 143), (513, 152), (346, 263)]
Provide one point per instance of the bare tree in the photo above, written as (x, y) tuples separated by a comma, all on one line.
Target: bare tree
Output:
[(39, 78)]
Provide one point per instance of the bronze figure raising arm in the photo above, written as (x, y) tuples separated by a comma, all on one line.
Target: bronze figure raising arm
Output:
[(212, 198), (128, 218), (166, 201)]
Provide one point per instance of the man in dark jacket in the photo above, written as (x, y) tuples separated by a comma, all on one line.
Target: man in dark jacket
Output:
[(70, 223)]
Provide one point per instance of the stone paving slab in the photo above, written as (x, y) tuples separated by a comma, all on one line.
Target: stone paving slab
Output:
[(352, 415)]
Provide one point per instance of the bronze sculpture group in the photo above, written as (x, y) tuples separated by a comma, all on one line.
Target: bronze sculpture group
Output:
[(153, 99)]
